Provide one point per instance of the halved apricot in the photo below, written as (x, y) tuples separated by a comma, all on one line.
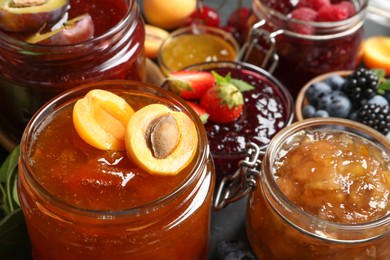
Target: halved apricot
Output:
[(154, 36), (100, 119), (376, 53), (161, 141)]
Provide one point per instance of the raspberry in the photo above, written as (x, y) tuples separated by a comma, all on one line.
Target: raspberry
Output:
[(349, 6), (361, 84), (303, 14), (313, 4), (333, 13), (375, 116)]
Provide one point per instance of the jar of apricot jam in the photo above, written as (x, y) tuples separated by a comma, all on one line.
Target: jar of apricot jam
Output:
[(33, 73), (321, 192), (296, 50), (83, 203)]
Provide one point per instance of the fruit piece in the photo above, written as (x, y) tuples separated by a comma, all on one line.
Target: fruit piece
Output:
[(202, 113), (313, 4), (337, 104), (238, 17), (154, 37), (308, 111), (378, 100), (335, 81), (190, 84), (375, 116), (361, 84), (224, 101), (204, 15), (233, 249), (161, 141), (333, 13), (321, 113), (76, 30), (22, 15), (316, 91), (100, 119), (303, 14), (376, 53), (169, 14)]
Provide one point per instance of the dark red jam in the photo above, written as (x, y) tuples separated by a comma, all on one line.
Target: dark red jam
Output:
[(267, 109)]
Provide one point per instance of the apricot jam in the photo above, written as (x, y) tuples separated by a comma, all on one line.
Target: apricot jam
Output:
[(31, 74), (196, 44), (300, 57), (325, 194), (80, 202)]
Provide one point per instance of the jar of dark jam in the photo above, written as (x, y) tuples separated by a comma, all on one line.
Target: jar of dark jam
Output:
[(31, 74), (321, 191), (80, 202), (295, 56)]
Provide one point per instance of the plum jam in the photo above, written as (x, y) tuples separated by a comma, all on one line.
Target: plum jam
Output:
[(31, 74), (295, 51), (80, 202), (323, 193), (267, 109)]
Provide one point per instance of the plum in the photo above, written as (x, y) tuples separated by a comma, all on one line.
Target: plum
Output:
[(78, 29), (30, 15)]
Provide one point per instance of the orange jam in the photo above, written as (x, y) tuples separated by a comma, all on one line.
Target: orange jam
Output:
[(189, 46), (80, 202), (325, 194)]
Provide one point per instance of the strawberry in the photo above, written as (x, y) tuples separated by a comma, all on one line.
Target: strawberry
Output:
[(224, 101), (202, 113), (190, 84)]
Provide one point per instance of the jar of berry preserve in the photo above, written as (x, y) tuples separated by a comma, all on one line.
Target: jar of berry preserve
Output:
[(320, 192), (295, 51), (90, 204), (31, 74)]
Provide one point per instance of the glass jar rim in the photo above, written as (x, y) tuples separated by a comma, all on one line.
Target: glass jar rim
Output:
[(275, 194), (127, 85), (131, 15), (268, 76)]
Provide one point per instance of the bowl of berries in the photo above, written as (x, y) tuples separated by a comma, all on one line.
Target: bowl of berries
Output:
[(238, 103), (362, 95)]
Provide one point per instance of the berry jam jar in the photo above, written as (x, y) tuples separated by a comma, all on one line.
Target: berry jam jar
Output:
[(320, 192), (294, 55), (80, 202), (267, 109), (31, 74)]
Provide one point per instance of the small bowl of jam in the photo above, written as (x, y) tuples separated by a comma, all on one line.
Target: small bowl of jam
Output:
[(267, 109)]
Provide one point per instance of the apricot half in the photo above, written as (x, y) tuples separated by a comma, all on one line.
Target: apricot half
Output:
[(76, 30), (100, 119), (28, 15), (161, 141)]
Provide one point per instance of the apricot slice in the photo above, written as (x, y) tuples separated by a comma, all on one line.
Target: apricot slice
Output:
[(154, 36), (161, 141), (28, 15), (76, 30), (100, 119), (376, 53)]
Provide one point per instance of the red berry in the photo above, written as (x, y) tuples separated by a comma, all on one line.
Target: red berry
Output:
[(238, 18), (202, 113), (333, 13), (303, 14), (204, 15), (313, 4), (190, 84), (349, 6)]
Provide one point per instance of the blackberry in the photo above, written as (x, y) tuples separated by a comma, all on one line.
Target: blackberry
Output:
[(375, 116), (361, 84)]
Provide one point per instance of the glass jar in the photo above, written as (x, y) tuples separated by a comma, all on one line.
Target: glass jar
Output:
[(31, 74), (159, 222), (293, 57), (299, 210)]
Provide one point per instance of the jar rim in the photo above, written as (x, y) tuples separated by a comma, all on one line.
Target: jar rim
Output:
[(128, 85), (131, 15), (276, 195)]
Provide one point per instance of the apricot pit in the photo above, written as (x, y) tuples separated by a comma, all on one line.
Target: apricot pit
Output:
[(160, 140), (100, 119), (29, 15)]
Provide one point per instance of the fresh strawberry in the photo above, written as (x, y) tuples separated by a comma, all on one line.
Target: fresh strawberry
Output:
[(202, 113), (190, 84), (224, 101)]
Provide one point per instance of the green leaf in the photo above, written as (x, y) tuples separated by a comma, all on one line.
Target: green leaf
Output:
[(8, 176), (14, 240), (239, 84), (380, 73), (384, 86), (242, 85)]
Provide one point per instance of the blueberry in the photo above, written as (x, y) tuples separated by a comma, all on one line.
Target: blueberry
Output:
[(321, 113), (337, 104), (241, 255), (316, 91), (353, 115), (378, 100), (335, 81), (225, 247), (308, 111)]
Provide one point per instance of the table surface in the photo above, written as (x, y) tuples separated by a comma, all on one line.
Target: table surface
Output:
[(228, 223)]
